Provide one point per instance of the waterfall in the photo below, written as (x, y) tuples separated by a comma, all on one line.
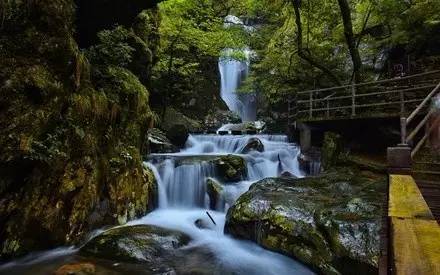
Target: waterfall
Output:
[(182, 176), (183, 199), (233, 72)]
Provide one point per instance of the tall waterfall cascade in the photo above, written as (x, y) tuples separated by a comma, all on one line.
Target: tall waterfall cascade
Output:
[(233, 73)]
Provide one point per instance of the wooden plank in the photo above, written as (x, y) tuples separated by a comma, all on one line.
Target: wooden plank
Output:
[(416, 246), (415, 234), (405, 199)]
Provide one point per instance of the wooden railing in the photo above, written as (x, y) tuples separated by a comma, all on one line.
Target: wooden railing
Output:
[(406, 121), (390, 97)]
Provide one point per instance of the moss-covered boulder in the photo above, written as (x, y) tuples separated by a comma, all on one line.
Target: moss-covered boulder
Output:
[(154, 249), (139, 243), (231, 168), (330, 223), (253, 144), (215, 193)]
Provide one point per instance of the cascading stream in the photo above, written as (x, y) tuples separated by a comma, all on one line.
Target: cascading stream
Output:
[(183, 198)]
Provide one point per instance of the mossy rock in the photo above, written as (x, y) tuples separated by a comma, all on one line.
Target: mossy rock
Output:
[(329, 223), (139, 243), (72, 138), (231, 168), (215, 193), (157, 250)]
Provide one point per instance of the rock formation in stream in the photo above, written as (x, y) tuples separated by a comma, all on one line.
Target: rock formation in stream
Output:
[(73, 121), (330, 222)]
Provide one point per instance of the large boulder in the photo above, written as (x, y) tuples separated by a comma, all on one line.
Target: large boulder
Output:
[(254, 144), (139, 243), (231, 168), (330, 223), (154, 249)]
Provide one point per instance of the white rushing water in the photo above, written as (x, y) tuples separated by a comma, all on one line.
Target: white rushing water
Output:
[(183, 199), (233, 73)]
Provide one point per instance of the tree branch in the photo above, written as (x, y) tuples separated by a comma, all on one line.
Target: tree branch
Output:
[(299, 40)]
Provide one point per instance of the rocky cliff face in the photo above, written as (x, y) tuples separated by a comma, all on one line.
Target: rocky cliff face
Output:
[(72, 131)]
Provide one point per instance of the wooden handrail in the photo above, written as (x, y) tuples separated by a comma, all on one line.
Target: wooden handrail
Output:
[(417, 110), (371, 82), (330, 97), (419, 126)]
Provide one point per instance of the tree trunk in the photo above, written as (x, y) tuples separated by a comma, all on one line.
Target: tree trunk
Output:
[(303, 54), (351, 41)]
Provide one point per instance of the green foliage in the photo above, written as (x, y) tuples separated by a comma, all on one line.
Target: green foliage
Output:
[(113, 48), (378, 25), (193, 37)]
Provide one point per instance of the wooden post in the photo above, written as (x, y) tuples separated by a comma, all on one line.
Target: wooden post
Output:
[(402, 103), (311, 105), (403, 131), (353, 100)]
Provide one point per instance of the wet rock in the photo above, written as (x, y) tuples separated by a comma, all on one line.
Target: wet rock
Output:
[(215, 193), (231, 168), (245, 127), (159, 143), (155, 250), (215, 119), (287, 174), (204, 224), (76, 269), (311, 220), (139, 243), (254, 144)]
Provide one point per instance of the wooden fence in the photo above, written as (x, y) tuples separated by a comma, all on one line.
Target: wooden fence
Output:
[(383, 98)]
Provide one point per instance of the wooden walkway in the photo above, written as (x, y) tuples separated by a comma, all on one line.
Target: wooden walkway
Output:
[(378, 99), (431, 193), (414, 233), (411, 235)]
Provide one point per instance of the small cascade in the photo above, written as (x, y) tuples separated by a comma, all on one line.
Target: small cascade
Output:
[(184, 185)]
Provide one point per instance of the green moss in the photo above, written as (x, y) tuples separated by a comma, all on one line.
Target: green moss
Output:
[(231, 167), (313, 219)]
